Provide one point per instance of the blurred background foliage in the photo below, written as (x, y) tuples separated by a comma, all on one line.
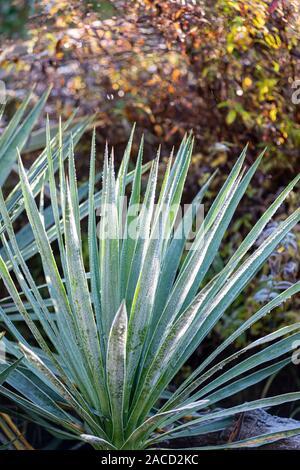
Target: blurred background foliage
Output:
[(225, 69)]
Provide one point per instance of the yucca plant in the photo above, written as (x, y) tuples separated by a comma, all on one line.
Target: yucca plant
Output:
[(17, 135), (108, 339), (17, 132)]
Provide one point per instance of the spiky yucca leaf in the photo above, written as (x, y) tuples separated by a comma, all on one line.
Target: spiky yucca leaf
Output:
[(5, 371), (118, 333), (17, 133), (12, 140)]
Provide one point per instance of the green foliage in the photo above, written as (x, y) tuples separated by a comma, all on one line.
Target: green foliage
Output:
[(5, 371), (14, 15), (107, 342), (12, 140), (17, 133), (279, 273)]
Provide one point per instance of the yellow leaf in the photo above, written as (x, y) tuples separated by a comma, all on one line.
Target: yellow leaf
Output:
[(273, 41), (231, 116), (259, 21), (273, 114), (219, 160), (247, 82), (230, 48)]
